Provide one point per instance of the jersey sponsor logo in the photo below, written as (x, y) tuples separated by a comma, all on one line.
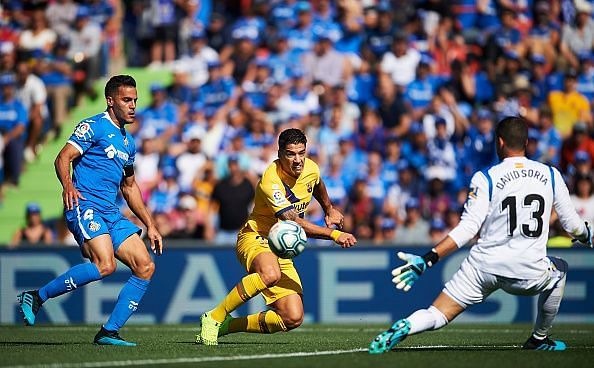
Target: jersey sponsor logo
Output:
[(82, 129), (112, 152), (278, 197), (94, 226), (301, 207)]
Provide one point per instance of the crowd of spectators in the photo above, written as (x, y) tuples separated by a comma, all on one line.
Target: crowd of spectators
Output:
[(51, 52), (398, 100)]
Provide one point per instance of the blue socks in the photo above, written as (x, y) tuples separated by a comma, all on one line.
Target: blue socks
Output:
[(127, 303), (75, 277)]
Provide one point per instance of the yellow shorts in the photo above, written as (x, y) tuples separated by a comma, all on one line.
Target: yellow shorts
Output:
[(249, 245)]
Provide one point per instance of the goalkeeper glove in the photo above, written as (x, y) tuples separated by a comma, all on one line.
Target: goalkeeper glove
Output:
[(406, 275), (586, 238)]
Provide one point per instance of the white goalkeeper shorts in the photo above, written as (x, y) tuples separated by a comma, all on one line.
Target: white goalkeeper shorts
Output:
[(471, 286)]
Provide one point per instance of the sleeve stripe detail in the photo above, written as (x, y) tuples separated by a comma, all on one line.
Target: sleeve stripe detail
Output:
[(486, 174), (77, 146), (552, 179), (280, 212)]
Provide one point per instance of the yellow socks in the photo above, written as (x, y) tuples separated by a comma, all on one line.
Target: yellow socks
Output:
[(264, 322), (250, 286)]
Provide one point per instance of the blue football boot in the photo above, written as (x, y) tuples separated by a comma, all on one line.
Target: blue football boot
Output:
[(385, 341), (545, 344), (29, 304), (105, 337)]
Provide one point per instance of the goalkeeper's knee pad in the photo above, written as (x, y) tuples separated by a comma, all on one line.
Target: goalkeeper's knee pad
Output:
[(438, 317)]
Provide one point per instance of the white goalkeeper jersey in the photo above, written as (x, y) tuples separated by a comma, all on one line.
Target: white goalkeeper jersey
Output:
[(510, 204)]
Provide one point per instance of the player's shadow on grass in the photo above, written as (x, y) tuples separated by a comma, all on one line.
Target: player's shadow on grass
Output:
[(234, 343), (41, 343)]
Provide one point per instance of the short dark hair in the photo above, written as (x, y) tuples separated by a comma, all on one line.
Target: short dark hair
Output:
[(291, 136), (117, 81), (514, 132)]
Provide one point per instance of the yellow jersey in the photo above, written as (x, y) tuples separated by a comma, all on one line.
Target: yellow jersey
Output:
[(567, 109), (278, 192)]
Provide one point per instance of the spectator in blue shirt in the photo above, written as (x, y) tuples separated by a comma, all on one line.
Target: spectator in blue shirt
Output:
[(301, 37), (164, 198), (420, 91), (380, 35), (585, 80), (161, 115), (13, 120), (219, 90), (549, 144), (480, 143)]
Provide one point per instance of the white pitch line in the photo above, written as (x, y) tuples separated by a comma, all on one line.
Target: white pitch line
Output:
[(143, 362)]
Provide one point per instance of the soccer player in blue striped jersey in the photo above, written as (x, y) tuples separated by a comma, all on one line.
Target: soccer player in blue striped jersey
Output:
[(102, 155)]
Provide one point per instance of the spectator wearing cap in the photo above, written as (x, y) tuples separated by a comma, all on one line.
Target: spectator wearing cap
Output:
[(334, 183), (578, 141), (437, 230), (164, 22), (256, 89), (161, 115), (31, 92), (442, 159), (187, 220), (545, 35), (539, 80), (379, 29), (34, 232), (13, 123), (165, 196), (196, 63), (219, 92), (420, 91), (301, 37), (583, 196), (585, 79), (55, 72), (299, 99), (230, 201), (582, 164), (578, 37), (415, 230), (507, 38), (60, 15), (192, 161), (85, 47), (415, 148), (398, 66), (549, 144), (569, 106), (371, 136), (479, 144), (323, 63), (38, 36)]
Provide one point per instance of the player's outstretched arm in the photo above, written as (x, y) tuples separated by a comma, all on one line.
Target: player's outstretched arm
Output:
[(332, 215), (70, 195), (406, 275), (132, 195), (345, 240)]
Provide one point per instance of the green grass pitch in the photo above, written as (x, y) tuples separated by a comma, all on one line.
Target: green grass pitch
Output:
[(345, 346)]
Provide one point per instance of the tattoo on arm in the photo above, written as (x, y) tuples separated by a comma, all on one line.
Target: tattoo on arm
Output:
[(289, 215)]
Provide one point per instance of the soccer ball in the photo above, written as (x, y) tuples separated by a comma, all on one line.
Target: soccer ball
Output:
[(287, 239)]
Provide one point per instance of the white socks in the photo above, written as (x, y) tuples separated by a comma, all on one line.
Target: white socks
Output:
[(426, 319), (548, 306)]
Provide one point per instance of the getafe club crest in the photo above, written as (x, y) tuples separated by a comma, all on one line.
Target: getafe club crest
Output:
[(94, 226)]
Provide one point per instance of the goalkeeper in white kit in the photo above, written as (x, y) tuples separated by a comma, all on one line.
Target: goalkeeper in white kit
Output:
[(509, 205)]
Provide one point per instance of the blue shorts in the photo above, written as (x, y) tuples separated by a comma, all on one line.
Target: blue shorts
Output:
[(86, 223)]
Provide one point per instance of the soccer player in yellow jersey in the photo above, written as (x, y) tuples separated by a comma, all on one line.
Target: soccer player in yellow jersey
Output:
[(284, 192)]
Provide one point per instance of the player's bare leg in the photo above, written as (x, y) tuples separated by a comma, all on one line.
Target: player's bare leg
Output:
[(443, 311), (99, 250), (264, 273), (133, 253)]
